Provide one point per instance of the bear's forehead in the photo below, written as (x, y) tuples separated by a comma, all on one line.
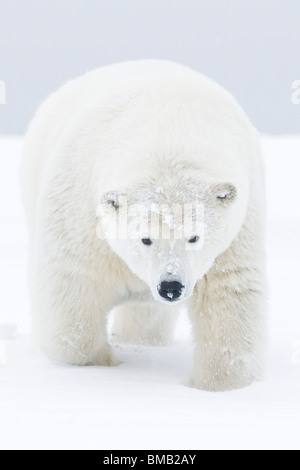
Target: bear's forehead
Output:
[(165, 213), (174, 218), (169, 190)]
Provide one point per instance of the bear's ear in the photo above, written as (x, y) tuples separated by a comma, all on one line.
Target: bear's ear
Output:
[(112, 199), (224, 193)]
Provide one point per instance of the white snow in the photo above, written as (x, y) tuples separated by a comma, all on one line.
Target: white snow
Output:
[(8, 331), (173, 265), (169, 220), (145, 403)]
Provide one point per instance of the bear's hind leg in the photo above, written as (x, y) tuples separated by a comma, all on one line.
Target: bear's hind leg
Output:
[(148, 324)]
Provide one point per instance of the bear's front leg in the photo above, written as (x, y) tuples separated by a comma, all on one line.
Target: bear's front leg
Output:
[(227, 313), (70, 308)]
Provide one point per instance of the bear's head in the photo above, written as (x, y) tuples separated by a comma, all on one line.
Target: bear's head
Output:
[(169, 236)]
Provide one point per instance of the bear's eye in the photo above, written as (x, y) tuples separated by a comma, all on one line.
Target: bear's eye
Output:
[(194, 239), (147, 241)]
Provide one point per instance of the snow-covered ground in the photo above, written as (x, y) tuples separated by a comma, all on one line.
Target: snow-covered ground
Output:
[(145, 403)]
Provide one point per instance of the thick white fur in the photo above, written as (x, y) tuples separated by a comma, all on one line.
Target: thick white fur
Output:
[(133, 128)]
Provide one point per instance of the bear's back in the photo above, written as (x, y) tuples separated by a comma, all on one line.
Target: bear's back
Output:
[(62, 106), (155, 82)]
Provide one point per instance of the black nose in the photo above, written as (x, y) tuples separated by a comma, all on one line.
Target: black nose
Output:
[(170, 291)]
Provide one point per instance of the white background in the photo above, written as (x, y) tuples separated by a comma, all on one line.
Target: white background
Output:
[(250, 46)]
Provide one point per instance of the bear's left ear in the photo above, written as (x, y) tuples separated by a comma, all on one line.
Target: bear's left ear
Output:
[(224, 193)]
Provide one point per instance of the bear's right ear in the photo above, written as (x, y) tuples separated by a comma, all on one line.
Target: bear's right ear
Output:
[(112, 199)]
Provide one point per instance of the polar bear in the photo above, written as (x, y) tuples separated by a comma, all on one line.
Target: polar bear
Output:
[(143, 189)]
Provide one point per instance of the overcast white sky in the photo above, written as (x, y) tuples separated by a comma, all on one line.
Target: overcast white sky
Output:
[(250, 46)]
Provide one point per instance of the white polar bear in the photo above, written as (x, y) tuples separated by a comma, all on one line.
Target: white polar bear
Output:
[(154, 136)]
